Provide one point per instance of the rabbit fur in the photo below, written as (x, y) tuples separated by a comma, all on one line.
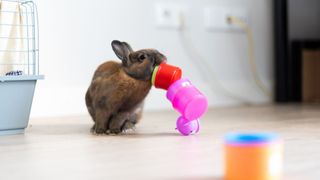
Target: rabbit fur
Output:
[(115, 96)]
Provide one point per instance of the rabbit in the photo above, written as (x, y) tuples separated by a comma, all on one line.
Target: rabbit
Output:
[(116, 94)]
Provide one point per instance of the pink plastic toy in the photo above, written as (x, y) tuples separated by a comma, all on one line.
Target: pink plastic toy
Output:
[(185, 98), (190, 102)]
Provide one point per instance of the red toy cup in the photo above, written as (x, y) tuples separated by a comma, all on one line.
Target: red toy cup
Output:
[(164, 75)]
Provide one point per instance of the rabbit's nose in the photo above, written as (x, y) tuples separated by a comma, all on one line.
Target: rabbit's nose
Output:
[(158, 61), (162, 61)]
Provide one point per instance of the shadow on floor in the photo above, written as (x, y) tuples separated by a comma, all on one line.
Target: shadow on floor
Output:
[(199, 178), (136, 134), (84, 129)]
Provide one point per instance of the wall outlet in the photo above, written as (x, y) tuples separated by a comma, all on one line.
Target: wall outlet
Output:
[(168, 15), (216, 18)]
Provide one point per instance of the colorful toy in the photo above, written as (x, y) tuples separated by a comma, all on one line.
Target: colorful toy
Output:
[(253, 156), (187, 127), (164, 75), (185, 97)]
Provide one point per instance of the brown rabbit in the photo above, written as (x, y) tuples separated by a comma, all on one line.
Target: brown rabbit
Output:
[(115, 97)]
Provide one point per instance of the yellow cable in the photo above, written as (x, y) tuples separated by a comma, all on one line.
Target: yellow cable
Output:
[(252, 61), (190, 50)]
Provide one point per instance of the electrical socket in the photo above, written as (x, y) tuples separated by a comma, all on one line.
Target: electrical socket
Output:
[(216, 18), (168, 15)]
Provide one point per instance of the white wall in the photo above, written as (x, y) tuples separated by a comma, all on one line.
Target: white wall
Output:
[(75, 38)]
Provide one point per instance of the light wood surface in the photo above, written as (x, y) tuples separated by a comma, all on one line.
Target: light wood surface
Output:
[(63, 148)]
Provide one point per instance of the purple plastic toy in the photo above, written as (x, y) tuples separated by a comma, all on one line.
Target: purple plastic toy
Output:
[(187, 127)]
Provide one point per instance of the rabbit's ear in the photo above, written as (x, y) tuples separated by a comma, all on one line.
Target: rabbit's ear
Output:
[(128, 46), (122, 50)]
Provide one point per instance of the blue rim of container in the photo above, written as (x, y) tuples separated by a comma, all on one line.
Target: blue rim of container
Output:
[(249, 139), (21, 78)]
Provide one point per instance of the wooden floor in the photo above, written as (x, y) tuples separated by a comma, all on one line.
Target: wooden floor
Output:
[(63, 148)]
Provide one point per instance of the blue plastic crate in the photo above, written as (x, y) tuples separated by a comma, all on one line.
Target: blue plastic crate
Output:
[(16, 96)]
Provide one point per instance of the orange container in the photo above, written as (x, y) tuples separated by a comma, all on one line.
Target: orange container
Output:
[(253, 157)]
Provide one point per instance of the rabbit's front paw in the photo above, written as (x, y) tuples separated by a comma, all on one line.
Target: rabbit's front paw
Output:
[(117, 125), (114, 131), (97, 131), (127, 124), (122, 122)]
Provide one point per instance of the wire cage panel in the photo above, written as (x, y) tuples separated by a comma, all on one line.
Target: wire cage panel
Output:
[(19, 63), (19, 38)]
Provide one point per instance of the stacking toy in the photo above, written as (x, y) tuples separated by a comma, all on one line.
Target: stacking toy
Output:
[(164, 75), (253, 156), (185, 97), (186, 126)]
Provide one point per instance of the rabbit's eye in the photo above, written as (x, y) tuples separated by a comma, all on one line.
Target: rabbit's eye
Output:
[(142, 57)]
